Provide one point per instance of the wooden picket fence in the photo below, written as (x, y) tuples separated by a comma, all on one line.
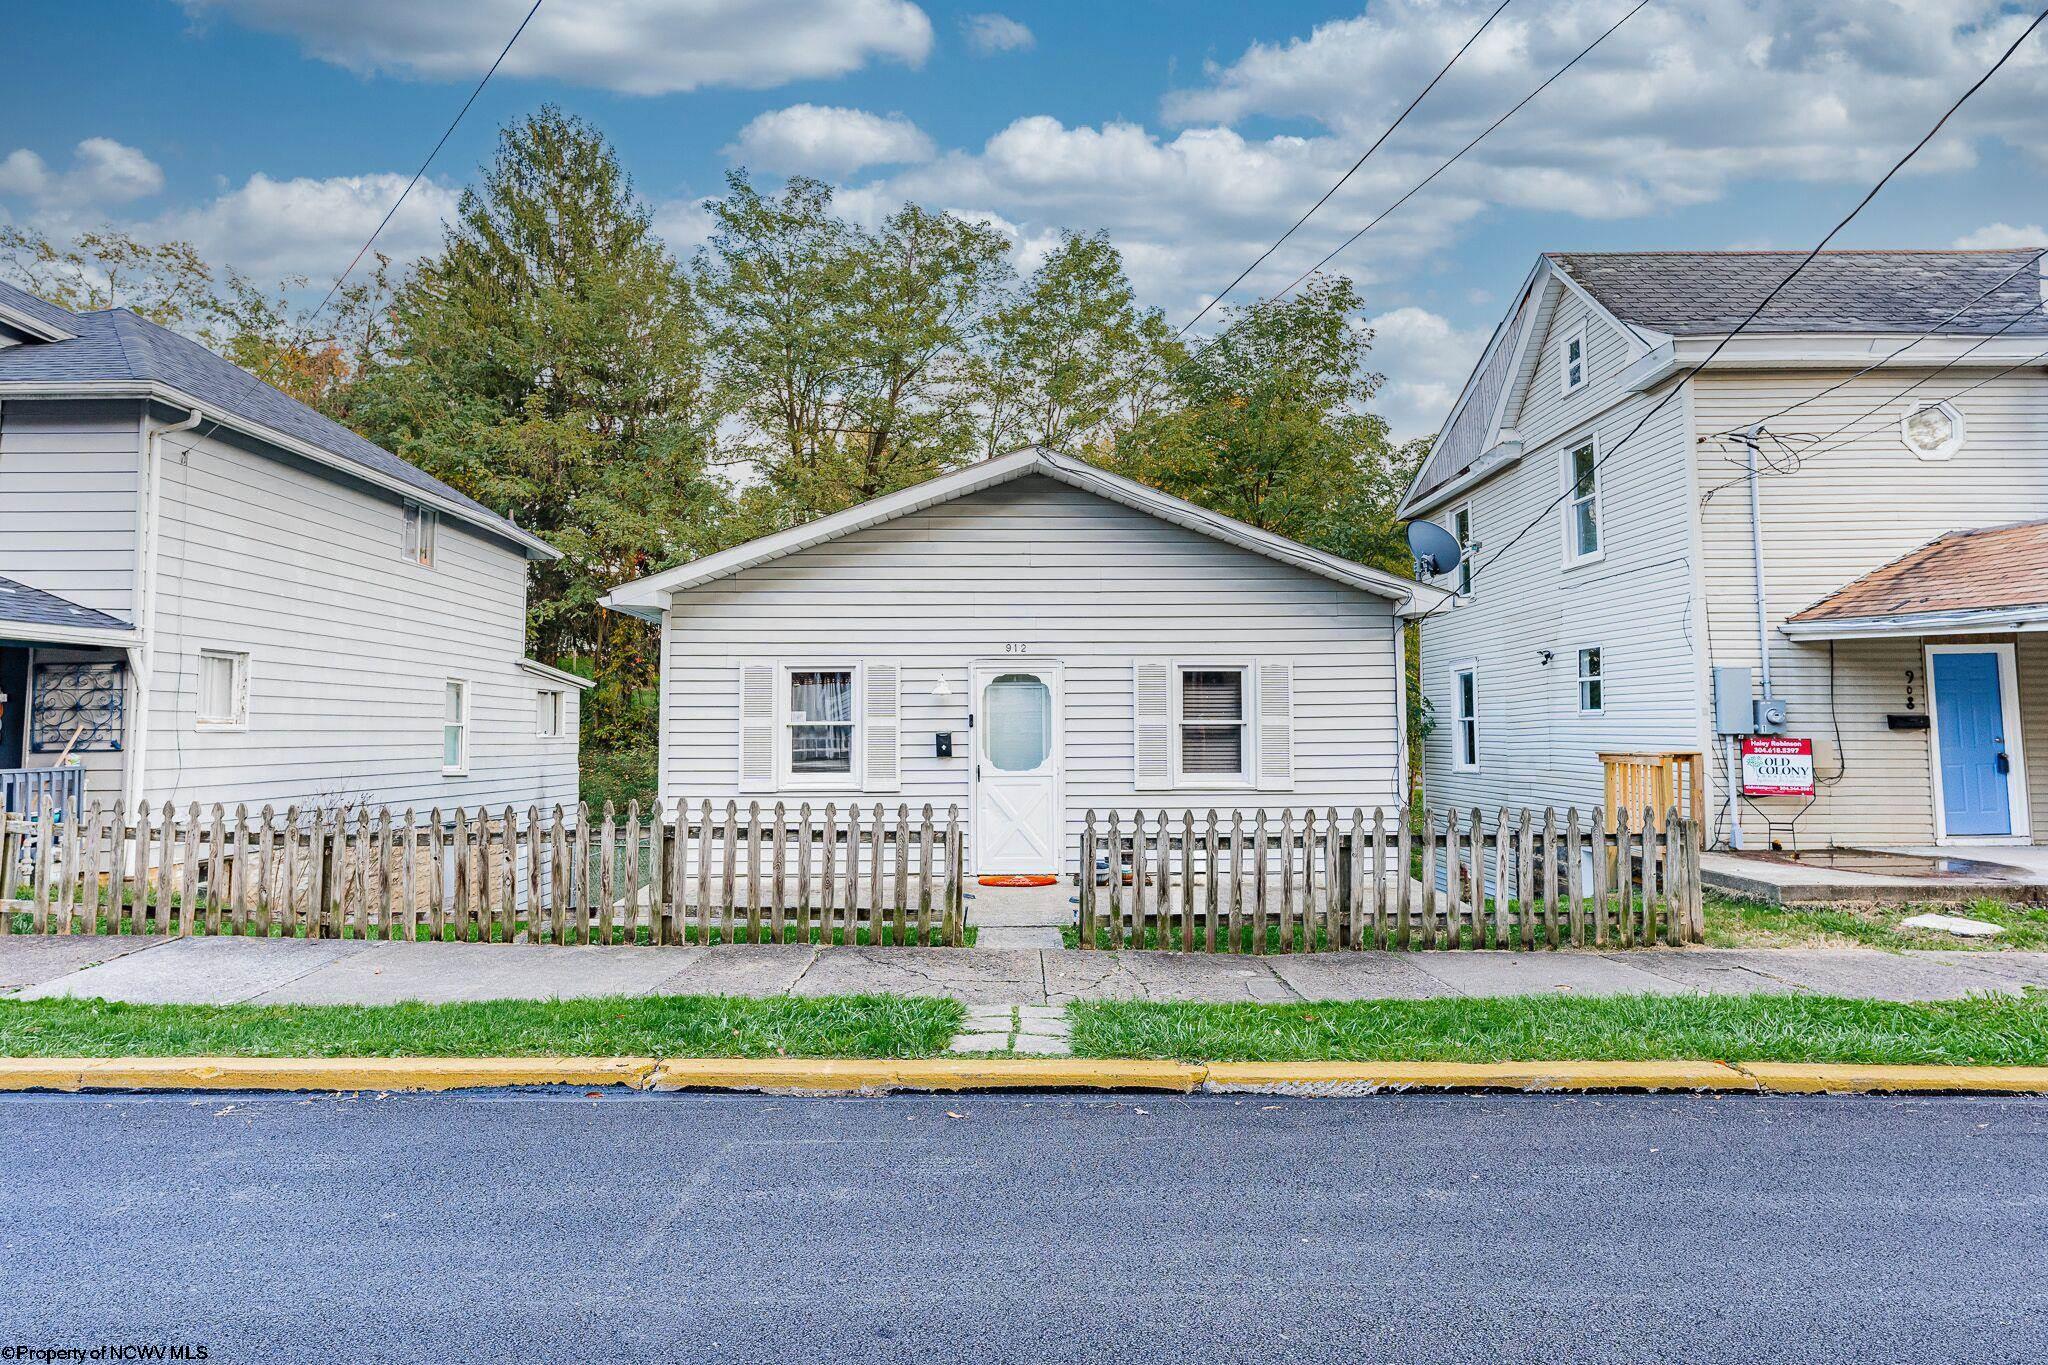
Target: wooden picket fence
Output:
[(1320, 881), (705, 875)]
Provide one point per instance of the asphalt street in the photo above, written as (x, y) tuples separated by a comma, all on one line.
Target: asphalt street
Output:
[(548, 1227)]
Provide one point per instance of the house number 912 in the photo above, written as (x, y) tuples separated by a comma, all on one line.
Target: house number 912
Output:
[(1016, 649)]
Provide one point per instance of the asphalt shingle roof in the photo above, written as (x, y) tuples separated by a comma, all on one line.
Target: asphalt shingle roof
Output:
[(1689, 293), (115, 344), (1992, 568), (32, 606)]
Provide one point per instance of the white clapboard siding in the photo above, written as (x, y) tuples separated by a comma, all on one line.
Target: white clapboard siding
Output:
[(1635, 604), (1839, 515), (69, 490), (350, 646), (1038, 570)]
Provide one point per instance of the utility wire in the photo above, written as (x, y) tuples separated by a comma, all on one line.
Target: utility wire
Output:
[(446, 134), (1345, 178), (1757, 311), (1412, 192), (1456, 156), (1887, 359)]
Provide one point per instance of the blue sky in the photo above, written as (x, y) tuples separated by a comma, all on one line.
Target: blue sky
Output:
[(273, 133)]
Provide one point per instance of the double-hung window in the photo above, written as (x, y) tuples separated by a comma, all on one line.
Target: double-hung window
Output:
[(1465, 737), (1461, 528), (1211, 717), (1571, 361), (223, 689), (455, 727), (1592, 687), (1582, 503), (818, 725)]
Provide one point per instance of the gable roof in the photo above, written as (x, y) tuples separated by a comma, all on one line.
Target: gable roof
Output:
[(1693, 293), (1657, 296), (21, 604), (647, 597), (114, 350)]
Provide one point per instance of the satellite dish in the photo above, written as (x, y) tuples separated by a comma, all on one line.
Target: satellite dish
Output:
[(1436, 550)]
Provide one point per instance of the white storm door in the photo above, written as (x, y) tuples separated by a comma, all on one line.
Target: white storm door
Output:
[(1016, 769)]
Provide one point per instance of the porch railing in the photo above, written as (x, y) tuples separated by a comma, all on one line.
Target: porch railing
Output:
[(1320, 880), (23, 790), (708, 875)]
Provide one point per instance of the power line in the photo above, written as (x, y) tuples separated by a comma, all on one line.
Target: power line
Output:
[(1345, 178), (1817, 445), (446, 134), (1887, 359), (1456, 156), (1757, 311), (1412, 192)]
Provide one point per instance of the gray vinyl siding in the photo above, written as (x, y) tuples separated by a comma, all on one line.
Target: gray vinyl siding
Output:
[(1636, 604), (1833, 517), (350, 644), (69, 499), (1038, 567)]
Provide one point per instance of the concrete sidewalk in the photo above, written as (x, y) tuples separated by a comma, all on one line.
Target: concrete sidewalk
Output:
[(279, 971)]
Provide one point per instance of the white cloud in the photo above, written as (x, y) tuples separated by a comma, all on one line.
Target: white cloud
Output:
[(1425, 360), (640, 47), (1681, 104), (2002, 235), (811, 137), (988, 34), (303, 226), (102, 172)]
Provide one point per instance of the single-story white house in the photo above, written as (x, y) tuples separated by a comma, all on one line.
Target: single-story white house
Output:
[(1028, 638), (210, 592)]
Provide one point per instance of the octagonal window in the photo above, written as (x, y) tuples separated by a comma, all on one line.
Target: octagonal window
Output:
[(1933, 431)]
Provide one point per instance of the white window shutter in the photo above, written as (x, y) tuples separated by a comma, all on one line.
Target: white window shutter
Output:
[(1152, 733), (410, 539), (757, 727), (881, 705), (1276, 726)]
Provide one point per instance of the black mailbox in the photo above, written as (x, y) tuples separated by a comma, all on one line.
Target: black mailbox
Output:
[(942, 744)]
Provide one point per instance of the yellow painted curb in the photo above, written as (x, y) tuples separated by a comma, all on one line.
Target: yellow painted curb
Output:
[(1538, 1076), (942, 1073), (1803, 1078), (316, 1073), (844, 1076)]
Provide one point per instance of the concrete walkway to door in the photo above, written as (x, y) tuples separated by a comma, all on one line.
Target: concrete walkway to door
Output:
[(231, 970)]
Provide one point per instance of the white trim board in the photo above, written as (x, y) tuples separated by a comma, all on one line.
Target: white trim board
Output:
[(648, 598), (2022, 823)]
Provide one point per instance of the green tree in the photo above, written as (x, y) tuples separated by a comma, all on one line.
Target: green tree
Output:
[(1072, 358), (848, 354), (549, 361), (166, 282), (1269, 423)]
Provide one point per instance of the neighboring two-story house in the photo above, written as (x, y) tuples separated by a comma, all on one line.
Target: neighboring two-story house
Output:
[(1882, 576), (210, 592)]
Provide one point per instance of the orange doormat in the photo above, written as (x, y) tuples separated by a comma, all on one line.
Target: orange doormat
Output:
[(1045, 879)]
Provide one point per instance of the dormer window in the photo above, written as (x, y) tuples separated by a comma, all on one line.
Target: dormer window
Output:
[(1571, 361)]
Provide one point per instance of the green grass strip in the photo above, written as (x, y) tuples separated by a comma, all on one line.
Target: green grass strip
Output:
[(659, 1026), (1981, 1030)]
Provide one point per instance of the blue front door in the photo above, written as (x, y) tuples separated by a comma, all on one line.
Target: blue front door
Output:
[(1969, 718)]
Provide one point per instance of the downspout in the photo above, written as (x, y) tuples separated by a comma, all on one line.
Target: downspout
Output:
[(1763, 632), (142, 657)]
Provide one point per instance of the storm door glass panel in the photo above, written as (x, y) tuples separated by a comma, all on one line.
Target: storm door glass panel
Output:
[(1019, 709), (821, 720)]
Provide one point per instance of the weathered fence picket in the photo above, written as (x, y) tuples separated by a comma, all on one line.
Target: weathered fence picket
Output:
[(1291, 881), (662, 876)]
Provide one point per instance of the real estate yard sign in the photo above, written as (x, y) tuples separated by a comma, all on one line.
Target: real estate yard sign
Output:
[(1777, 767)]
